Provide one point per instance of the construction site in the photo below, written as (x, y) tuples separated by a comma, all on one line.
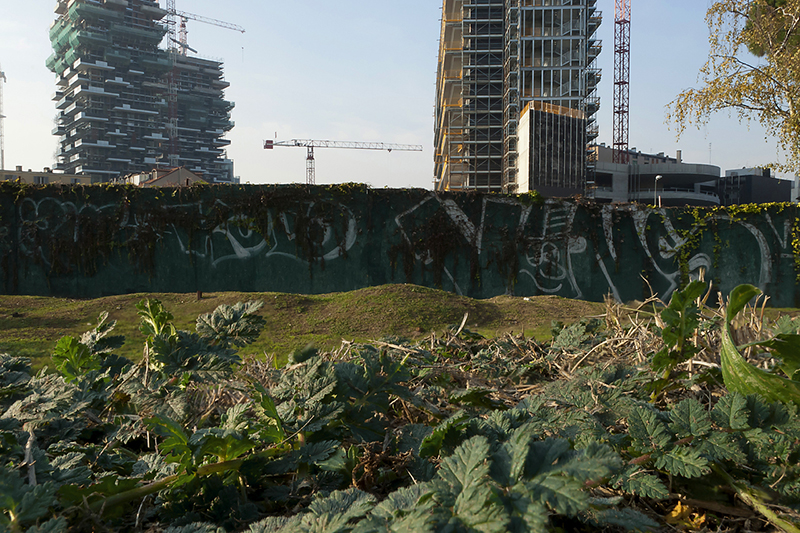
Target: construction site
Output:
[(495, 58), (128, 105)]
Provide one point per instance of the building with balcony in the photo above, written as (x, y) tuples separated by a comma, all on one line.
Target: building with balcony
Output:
[(496, 58), (113, 94)]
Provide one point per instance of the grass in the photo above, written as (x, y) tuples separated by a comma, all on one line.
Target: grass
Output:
[(31, 325)]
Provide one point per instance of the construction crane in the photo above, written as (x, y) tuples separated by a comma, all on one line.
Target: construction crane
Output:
[(622, 78), (311, 144), (183, 33), (181, 46), (2, 134)]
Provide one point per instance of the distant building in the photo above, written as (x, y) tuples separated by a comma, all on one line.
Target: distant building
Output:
[(203, 117), (753, 186), (176, 177), (45, 177), (495, 57), (668, 181), (653, 179), (114, 87)]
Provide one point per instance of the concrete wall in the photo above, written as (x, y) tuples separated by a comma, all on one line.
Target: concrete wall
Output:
[(93, 241)]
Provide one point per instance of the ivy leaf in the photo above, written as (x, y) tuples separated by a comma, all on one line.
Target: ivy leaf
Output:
[(682, 461), (690, 419)]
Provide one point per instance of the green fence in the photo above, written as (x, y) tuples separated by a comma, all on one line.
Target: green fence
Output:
[(96, 241)]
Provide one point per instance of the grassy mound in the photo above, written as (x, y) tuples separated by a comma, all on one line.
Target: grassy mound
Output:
[(31, 325)]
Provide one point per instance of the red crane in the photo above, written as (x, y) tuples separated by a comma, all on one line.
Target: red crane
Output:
[(622, 78)]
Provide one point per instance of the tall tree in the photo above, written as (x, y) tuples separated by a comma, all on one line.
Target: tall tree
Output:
[(753, 69)]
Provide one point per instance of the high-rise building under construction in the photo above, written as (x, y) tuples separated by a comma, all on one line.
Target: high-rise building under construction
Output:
[(118, 91), (504, 60)]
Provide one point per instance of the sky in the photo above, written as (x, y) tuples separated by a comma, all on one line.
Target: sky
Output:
[(366, 71)]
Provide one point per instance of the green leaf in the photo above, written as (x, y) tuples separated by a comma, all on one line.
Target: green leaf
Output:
[(636, 481), (176, 441), (690, 419), (343, 505), (477, 397), (273, 432), (627, 519), (74, 359), (54, 525), (197, 527), (646, 430), (509, 461), (562, 494), (731, 412), (740, 296), (468, 465), (448, 430), (742, 377), (720, 446), (236, 325), (155, 319), (99, 339), (785, 347), (682, 461)]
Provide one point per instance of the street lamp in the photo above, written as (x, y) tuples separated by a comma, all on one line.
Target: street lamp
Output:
[(655, 190)]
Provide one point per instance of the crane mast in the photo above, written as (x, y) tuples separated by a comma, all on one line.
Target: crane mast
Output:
[(310, 144), (622, 75), (178, 45)]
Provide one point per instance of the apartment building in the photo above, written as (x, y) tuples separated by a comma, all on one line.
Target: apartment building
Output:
[(113, 94), (495, 58)]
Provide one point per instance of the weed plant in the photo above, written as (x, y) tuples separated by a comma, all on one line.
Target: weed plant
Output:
[(637, 425)]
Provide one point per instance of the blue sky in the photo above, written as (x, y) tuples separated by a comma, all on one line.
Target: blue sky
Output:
[(365, 71)]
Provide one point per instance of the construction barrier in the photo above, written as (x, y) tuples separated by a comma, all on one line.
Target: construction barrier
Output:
[(84, 242)]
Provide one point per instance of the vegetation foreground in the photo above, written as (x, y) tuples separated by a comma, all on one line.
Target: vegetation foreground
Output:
[(681, 420)]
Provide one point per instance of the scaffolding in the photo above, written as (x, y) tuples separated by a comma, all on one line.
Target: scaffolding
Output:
[(494, 59), (469, 110), (115, 85), (551, 58)]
